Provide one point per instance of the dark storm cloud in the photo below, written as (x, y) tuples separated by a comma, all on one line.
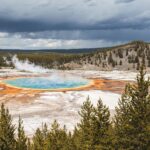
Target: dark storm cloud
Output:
[(117, 23), (108, 35), (9, 25), (90, 2), (91, 20), (77, 15), (124, 1)]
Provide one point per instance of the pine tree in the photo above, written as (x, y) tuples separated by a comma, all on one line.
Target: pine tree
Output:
[(58, 138), (29, 145), (38, 140), (101, 125), (110, 59), (93, 129), (143, 60), (127, 52), (148, 62), (7, 139), (76, 139), (21, 143), (120, 53), (120, 63), (132, 120), (138, 65), (85, 125)]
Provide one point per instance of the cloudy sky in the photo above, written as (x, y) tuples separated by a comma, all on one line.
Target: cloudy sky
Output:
[(35, 24)]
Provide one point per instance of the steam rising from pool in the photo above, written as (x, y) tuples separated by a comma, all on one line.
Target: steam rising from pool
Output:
[(51, 79), (26, 65)]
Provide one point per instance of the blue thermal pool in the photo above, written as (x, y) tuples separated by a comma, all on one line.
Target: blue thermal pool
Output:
[(46, 83)]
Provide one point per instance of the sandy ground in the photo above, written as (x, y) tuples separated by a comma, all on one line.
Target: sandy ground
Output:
[(43, 106)]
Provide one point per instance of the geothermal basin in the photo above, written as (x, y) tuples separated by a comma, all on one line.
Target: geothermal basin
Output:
[(44, 97)]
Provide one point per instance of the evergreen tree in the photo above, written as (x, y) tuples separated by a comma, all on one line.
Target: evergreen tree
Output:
[(38, 140), (21, 143), (29, 145), (58, 138), (110, 59), (127, 52), (120, 53), (136, 59), (7, 139), (93, 129), (143, 60), (148, 62), (85, 125), (101, 125), (120, 63), (132, 120), (76, 139), (138, 65)]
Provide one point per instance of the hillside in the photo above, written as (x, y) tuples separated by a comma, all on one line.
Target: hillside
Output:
[(123, 57)]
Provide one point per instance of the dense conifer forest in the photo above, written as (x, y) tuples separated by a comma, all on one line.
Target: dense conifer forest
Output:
[(128, 130)]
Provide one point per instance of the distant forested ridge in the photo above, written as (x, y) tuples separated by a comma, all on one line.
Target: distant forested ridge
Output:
[(122, 57)]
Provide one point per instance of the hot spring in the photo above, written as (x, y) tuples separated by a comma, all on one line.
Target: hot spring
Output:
[(47, 83)]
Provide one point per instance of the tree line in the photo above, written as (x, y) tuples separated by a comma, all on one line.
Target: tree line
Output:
[(44, 59), (131, 55), (128, 130)]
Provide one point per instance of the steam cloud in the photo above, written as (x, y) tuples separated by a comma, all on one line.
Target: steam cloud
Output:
[(26, 65), (6, 60), (55, 75)]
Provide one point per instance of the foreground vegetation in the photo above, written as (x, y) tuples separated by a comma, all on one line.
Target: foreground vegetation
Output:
[(129, 130)]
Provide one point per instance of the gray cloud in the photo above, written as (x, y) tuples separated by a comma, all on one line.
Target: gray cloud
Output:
[(77, 20), (8, 25), (47, 15), (107, 35), (124, 1)]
